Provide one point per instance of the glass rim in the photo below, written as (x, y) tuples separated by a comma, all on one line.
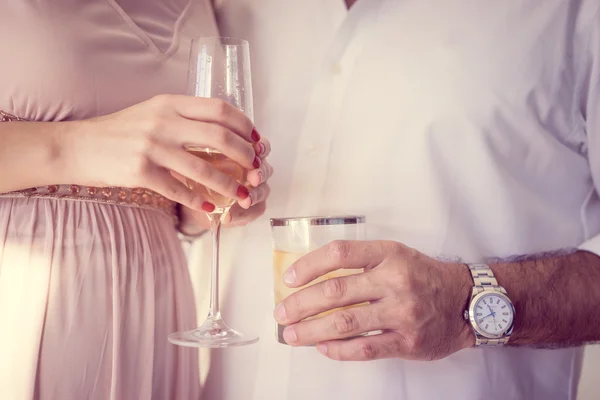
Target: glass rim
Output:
[(224, 40), (319, 220)]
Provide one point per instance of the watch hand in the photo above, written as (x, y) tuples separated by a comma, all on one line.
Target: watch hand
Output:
[(494, 319)]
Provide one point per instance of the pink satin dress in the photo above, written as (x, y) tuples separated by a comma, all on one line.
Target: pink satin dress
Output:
[(92, 280)]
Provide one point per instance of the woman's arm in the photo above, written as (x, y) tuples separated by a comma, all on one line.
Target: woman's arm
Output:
[(137, 147)]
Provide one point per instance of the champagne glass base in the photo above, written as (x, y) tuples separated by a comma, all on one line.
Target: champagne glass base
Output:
[(213, 333)]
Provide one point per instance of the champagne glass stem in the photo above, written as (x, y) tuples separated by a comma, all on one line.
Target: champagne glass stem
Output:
[(215, 230), (213, 332)]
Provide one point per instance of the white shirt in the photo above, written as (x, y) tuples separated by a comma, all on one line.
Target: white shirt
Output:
[(463, 129)]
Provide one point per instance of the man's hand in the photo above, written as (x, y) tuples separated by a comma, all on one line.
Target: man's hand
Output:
[(417, 302)]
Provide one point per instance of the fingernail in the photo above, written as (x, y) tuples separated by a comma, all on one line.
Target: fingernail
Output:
[(261, 148), (255, 135), (256, 162), (289, 335), (208, 207), (321, 348), (280, 314), (242, 192), (290, 276), (260, 177)]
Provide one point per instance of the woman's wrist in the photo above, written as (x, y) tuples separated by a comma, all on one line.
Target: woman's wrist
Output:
[(69, 148)]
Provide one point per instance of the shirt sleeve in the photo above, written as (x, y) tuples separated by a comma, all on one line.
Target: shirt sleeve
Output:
[(590, 107)]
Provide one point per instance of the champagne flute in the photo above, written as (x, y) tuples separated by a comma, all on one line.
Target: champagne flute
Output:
[(219, 68)]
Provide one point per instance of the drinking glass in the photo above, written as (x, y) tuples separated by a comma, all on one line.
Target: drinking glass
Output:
[(295, 237), (219, 68)]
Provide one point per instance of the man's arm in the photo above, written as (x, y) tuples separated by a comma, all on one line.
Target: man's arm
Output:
[(418, 302), (556, 299)]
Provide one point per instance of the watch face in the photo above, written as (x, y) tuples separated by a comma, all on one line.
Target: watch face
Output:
[(493, 314)]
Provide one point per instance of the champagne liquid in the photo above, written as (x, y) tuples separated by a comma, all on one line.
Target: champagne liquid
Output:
[(281, 262), (223, 164)]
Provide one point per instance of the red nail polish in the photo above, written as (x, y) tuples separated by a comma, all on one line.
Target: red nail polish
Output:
[(208, 207), (256, 162), (255, 135), (243, 192)]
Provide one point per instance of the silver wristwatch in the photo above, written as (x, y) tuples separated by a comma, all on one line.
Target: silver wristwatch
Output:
[(490, 312)]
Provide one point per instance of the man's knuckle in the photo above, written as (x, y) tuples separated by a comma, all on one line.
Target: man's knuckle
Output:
[(375, 319), (345, 322), (367, 351), (334, 288), (293, 307), (398, 278), (369, 279), (338, 250)]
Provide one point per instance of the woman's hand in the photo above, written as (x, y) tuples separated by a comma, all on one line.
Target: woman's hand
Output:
[(140, 146), (244, 211)]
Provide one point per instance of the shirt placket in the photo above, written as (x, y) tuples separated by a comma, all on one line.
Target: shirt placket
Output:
[(324, 112)]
